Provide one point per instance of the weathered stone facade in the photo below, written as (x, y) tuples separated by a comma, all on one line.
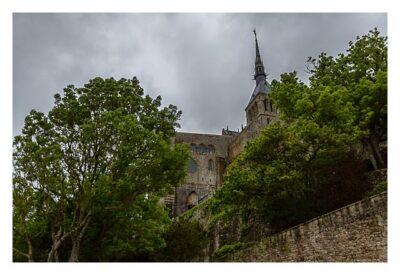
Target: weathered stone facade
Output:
[(260, 113), (354, 233), (210, 154)]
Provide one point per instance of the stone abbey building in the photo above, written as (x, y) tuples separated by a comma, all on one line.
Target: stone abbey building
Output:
[(210, 154)]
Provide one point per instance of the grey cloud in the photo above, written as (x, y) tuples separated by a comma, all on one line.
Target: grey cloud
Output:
[(203, 63)]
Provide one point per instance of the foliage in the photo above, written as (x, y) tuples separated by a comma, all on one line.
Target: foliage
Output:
[(362, 72), (378, 188), (188, 214), (185, 240), (310, 161), (125, 237), (95, 165), (200, 208), (228, 249), (339, 179), (284, 180)]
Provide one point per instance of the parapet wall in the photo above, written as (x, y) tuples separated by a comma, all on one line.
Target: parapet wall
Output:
[(354, 233)]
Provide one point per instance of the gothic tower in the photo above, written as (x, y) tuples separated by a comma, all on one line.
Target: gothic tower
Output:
[(260, 108), (210, 154)]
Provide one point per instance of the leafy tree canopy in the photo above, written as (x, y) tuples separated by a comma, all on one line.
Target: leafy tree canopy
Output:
[(347, 94), (96, 164)]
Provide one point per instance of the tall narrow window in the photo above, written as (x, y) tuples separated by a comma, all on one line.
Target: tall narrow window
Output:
[(193, 147), (211, 165), (192, 166), (202, 149), (270, 104)]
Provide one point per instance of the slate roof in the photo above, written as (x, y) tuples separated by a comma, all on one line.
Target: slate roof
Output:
[(262, 87)]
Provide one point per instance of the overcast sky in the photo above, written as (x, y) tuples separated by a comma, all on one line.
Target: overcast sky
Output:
[(202, 63)]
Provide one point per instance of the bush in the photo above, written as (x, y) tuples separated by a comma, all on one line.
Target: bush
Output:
[(379, 188), (228, 249), (185, 241)]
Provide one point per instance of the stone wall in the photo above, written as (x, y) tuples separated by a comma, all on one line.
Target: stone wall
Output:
[(220, 142), (354, 233), (249, 133), (259, 115), (208, 161)]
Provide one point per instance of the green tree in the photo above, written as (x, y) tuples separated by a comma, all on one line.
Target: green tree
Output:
[(30, 224), (185, 241), (310, 161), (101, 158), (362, 72), (285, 177)]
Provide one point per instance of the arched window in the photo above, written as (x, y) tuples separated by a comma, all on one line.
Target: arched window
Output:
[(265, 104), (202, 149), (211, 148), (192, 200), (192, 166), (270, 104), (210, 165), (193, 148)]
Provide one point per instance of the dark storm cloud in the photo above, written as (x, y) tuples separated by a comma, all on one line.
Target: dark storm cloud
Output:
[(203, 63)]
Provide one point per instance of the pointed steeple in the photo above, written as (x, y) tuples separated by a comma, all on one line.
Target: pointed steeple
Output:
[(259, 72), (262, 85)]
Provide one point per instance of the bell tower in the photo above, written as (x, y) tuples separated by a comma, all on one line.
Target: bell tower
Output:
[(260, 108)]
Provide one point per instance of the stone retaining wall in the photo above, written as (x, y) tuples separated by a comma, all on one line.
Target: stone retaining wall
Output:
[(354, 233)]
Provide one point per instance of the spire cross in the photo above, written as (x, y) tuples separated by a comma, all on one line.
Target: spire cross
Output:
[(255, 33)]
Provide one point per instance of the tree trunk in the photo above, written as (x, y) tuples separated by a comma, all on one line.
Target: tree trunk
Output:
[(76, 245), (28, 255), (30, 251), (57, 239), (77, 239), (373, 144), (53, 254)]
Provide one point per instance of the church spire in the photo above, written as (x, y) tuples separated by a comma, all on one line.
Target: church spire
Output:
[(259, 66)]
